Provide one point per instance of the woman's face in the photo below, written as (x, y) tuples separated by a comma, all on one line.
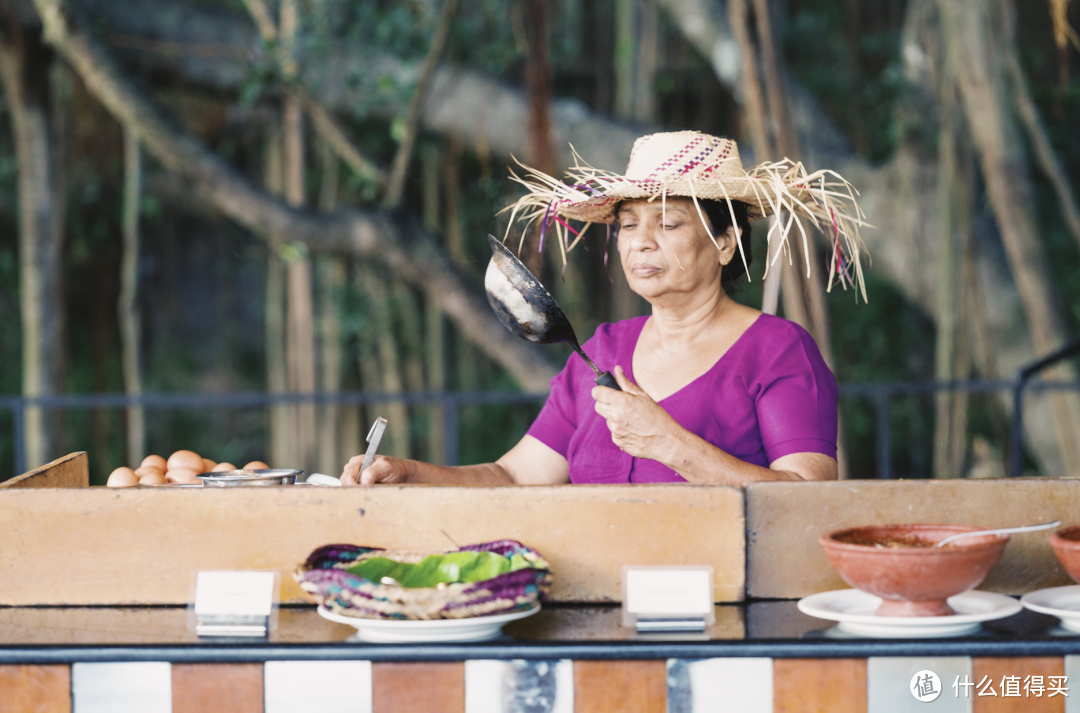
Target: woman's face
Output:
[(667, 254)]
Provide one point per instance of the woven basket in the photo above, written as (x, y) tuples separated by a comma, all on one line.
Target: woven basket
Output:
[(323, 577)]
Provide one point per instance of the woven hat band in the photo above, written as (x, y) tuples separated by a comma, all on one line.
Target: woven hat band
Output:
[(680, 156)]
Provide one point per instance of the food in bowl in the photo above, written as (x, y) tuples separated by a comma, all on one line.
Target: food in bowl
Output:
[(902, 565), (1066, 544)]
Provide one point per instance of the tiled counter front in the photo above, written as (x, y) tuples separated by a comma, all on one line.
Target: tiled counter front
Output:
[(760, 657), (739, 685)]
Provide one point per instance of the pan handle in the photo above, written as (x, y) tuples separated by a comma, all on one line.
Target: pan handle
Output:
[(606, 379)]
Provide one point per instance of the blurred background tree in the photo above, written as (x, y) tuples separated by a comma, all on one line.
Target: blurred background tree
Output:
[(294, 196)]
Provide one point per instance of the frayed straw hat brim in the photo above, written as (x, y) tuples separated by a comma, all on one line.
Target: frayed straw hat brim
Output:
[(692, 165)]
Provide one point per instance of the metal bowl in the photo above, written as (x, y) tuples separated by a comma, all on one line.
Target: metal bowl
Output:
[(249, 478)]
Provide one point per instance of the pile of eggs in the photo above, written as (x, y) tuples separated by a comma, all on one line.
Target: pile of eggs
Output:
[(181, 468)]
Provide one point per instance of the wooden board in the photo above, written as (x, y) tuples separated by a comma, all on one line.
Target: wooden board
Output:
[(784, 520), (233, 687), (143, 545), (71, 471), (35, 689), (819, 686), (995, 670), (414, 687), (620, 686)]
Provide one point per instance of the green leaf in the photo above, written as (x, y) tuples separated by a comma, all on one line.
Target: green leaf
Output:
[(488, 565), (376, 568), (450, 568)]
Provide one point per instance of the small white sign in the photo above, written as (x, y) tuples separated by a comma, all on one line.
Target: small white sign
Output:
[(234, 603), (234, 593), (667, 593)]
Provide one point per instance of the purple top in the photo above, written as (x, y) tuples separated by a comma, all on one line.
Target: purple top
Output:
[(768, 396)]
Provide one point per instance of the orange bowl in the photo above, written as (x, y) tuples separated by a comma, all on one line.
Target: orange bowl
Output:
[(1066, 544), (900, 564)]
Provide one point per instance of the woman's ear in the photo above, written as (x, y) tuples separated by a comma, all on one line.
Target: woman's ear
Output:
[(729, 245)]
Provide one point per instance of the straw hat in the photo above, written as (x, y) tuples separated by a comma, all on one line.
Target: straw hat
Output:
[(694, 165)]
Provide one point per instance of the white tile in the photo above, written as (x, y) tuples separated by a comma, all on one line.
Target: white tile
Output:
[(1072, 670), (519, 686), (889, 684), (722, 685), (137, 687), (323, 686)]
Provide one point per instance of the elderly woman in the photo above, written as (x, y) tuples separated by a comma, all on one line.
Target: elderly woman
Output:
[(713, 392)]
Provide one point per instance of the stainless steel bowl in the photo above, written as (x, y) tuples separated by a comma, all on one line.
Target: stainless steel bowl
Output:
[(250, 478)]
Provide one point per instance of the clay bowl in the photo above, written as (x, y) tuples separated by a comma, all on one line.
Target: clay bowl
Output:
[(912, 577), (1066, 544)]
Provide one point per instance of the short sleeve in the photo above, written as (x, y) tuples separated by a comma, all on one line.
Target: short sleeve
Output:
[(555, 424), (796, 404)]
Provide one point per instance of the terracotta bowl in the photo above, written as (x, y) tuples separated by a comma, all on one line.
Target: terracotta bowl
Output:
[(1066, 544), (915, 578)]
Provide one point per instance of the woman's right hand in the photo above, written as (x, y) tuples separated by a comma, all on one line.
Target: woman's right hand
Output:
[(383, 469)]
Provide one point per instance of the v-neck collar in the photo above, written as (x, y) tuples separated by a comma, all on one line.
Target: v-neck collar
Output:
[(629, 368)]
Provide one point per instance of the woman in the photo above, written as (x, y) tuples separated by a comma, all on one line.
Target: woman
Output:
[(713, 392)]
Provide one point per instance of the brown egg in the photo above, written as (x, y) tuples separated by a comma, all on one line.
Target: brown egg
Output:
[(123, 478), (186, 459), (153, 478), (256, 465), (145, 470), (207, 465), (221, 467), (183, 475), (156, 461)]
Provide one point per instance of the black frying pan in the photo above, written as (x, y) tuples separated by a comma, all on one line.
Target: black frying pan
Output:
[(527, 309)]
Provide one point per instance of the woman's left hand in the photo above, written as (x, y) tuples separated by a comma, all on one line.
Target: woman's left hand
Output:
[(639, 426)]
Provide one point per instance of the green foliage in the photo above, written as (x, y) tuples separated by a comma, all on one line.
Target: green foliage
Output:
[(847, 55)]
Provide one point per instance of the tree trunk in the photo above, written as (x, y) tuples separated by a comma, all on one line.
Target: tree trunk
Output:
[(538, 86), (1029, 115), (332, 278), (282, 449), (949, 286), (435, 334), (24, 71), (396, 189), (299, 311), (971, 30), (434, 352), (455, 235), (625, 303), (128, 313), (396, 413)]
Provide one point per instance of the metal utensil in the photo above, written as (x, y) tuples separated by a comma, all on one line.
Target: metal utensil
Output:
[(1001, 531), (374, 435), (249, 478), (527, 309)]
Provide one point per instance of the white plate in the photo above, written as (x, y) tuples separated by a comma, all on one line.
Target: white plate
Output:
[(1062, 602), (391, 631), (854, 610)]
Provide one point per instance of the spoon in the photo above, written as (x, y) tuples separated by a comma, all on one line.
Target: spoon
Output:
[(528, 310), (1000, 531)]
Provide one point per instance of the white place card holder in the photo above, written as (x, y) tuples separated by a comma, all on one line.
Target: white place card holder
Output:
[(234, 603), (668, 598)]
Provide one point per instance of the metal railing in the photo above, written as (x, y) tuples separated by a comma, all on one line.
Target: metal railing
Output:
[(450, 402), (1020, 382), (881, 394)]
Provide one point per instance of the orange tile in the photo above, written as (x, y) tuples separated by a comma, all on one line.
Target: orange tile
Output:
[(414, 687), (35, 689), (996, 669), (620, 687), (819, 686), (208, 688)]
